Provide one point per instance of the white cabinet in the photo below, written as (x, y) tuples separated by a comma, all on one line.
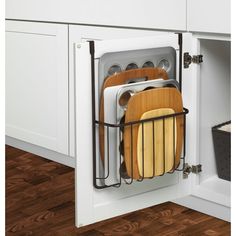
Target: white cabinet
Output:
[(158, 14), (205, 90), (210, 16), (37, 84), (49, 103)]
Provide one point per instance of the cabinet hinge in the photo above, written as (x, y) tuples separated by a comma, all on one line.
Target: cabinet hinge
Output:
[(188, 59), (191, 169)]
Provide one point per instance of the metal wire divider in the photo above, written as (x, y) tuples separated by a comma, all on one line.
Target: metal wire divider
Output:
[(178, 165)]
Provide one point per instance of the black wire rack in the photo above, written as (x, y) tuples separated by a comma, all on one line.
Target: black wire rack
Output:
[(112, 171), (122, 176)]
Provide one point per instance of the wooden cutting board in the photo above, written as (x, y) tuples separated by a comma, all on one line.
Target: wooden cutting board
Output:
[(152, 144), (123, 78), (139, 104)]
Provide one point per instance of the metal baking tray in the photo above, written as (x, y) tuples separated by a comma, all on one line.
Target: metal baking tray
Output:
[(113, 112)]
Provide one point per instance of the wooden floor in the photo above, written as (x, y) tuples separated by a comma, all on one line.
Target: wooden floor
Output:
[(40, 201)]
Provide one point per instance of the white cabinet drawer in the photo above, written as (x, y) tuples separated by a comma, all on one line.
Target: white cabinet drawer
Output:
[(37, 84), (169, 14), (211, 16)]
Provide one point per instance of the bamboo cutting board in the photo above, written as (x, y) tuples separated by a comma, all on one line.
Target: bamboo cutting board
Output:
[(139, 104), (123, 78), (158, 149)]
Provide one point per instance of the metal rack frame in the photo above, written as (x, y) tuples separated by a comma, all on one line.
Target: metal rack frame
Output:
[(120, 127)]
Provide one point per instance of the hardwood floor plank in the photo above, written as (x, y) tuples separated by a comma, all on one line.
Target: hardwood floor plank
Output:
[(210, 226), (36, 219), (40, 202)]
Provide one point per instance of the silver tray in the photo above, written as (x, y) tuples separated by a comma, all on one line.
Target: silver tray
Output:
[(113, 112)]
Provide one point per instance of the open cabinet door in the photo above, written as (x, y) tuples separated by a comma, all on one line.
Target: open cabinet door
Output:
[(93, 205)]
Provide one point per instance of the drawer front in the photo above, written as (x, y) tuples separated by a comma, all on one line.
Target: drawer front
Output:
[(211, 16), (158, 14)]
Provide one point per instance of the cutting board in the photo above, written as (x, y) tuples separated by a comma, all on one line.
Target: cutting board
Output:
[(123, 78), (139, 104), (155, 150)]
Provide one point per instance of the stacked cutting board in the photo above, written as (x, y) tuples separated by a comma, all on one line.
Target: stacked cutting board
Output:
[(149, 136)]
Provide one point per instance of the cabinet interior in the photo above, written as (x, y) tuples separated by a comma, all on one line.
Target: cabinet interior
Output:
[(214, 108)]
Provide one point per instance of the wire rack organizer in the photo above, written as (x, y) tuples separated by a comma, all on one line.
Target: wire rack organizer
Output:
[(112, 171)]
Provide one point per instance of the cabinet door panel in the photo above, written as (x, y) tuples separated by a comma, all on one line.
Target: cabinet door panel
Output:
[(158, 14), (211, 16), (37, 84), (94, 205)]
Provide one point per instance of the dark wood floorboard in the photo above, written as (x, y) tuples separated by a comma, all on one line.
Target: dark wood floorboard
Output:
[(40, 202)]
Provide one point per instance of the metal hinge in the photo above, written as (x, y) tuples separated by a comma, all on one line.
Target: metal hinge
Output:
[(188, 59), (191, 169)]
